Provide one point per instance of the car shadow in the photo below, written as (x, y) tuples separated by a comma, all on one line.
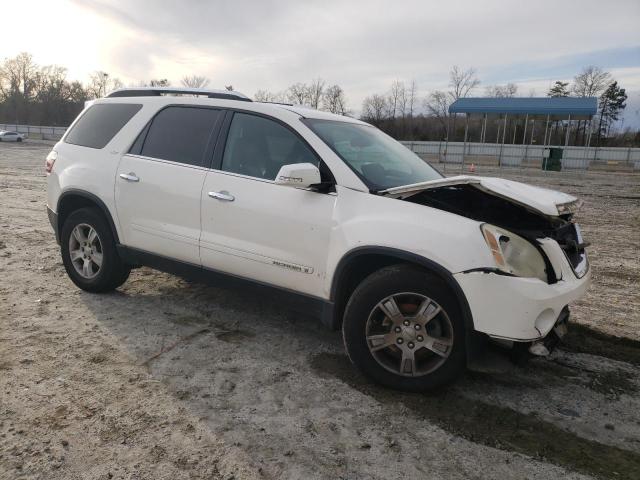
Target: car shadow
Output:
[(266, 375)]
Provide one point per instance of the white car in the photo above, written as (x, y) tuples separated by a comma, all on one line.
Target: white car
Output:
[(11, 136), (419, 271)]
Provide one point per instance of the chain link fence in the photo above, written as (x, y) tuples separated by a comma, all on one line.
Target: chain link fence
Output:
[(496, 155), (37, 132)]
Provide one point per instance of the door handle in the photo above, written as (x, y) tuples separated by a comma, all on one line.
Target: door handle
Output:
[(129, 177), (223, 195)]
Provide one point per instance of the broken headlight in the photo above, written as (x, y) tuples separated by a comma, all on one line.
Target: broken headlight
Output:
[(513, 254)]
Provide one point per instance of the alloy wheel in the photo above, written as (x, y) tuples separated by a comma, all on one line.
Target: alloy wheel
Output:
[(409, 334), (85, 250)]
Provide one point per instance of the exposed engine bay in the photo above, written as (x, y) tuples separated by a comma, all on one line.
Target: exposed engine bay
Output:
[(469, 201)]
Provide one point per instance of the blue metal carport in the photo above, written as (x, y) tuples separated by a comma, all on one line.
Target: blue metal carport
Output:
[(549, 108)]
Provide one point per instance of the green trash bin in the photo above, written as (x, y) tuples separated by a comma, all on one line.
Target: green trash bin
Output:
[(554, 161)]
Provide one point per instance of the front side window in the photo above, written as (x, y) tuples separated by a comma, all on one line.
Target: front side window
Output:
[(100, 123), (379, 160), (258, 147), (180, 134)]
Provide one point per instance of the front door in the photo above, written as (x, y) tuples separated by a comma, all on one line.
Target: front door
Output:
[(256, 229)]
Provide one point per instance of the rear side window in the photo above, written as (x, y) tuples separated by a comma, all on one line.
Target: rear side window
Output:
[(100, 123), (180, 134)]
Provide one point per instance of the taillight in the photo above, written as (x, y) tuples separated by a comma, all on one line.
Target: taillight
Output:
[(51, 159)]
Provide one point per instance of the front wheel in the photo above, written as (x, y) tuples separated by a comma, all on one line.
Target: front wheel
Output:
[(404, 329), (89, 252)]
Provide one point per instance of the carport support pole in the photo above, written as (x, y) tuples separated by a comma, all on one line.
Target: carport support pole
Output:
[(566, 138), (533, 127), (544, 143), (587, 144), (464, 145), (504, 133), (446, 144), (484, 129), (524, 138)]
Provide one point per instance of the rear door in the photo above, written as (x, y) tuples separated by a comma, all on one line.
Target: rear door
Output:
[(159, 182)]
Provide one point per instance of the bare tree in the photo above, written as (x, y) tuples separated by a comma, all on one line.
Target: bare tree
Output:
[(314, 92), (412, 94), (18, 83), (270, 97), (504, 91), (403, 100), (298, 93), (374, 108), (437, 104), (262, 96), (462, 82), (30, 93), (102, 83), (591, 82), (195, 81), (334, 100), (393, 100), (159, 82)]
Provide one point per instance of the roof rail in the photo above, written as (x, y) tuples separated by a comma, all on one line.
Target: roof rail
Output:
[(275, 103), (158, 91)]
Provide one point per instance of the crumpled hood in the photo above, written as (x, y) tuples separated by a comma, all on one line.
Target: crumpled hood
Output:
[(542, 200)]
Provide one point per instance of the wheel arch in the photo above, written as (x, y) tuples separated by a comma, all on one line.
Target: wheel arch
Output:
[(74, 199), (360, 262)]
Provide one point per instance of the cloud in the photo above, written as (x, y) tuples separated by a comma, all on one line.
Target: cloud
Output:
[(362, 45)]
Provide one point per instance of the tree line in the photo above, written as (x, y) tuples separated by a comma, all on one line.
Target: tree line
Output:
[(32, 94), (394, 112), (43, 95)]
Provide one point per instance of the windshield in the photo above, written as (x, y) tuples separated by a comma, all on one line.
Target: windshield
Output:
[(377, 159)]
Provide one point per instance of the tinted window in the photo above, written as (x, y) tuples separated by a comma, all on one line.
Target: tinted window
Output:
[(180, 134), (258, 147), (99, 124)]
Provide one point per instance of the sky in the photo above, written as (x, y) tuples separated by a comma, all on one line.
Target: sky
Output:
[(361, 45)]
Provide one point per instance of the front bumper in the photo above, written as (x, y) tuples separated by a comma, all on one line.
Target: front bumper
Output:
[(515, 308)]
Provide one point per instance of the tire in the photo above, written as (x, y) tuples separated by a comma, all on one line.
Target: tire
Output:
[(100, 276), (19, 140), (377, 340)]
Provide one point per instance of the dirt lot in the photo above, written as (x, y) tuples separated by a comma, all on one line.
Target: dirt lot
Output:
[(168, 379)]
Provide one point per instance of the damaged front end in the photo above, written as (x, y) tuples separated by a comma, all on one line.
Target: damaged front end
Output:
[(522, 213), (540, 261)]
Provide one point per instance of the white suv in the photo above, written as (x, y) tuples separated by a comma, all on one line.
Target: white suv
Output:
[(418, 270)]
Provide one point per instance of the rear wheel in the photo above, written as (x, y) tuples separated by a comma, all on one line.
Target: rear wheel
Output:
[(404, 329), (89, 252)]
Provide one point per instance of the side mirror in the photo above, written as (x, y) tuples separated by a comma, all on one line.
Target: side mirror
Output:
[(299, 175)]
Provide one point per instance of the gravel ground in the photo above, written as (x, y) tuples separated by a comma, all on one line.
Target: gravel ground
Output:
[(169, 379)]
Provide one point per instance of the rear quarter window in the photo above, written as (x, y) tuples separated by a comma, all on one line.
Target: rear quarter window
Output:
[(100, 123)]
